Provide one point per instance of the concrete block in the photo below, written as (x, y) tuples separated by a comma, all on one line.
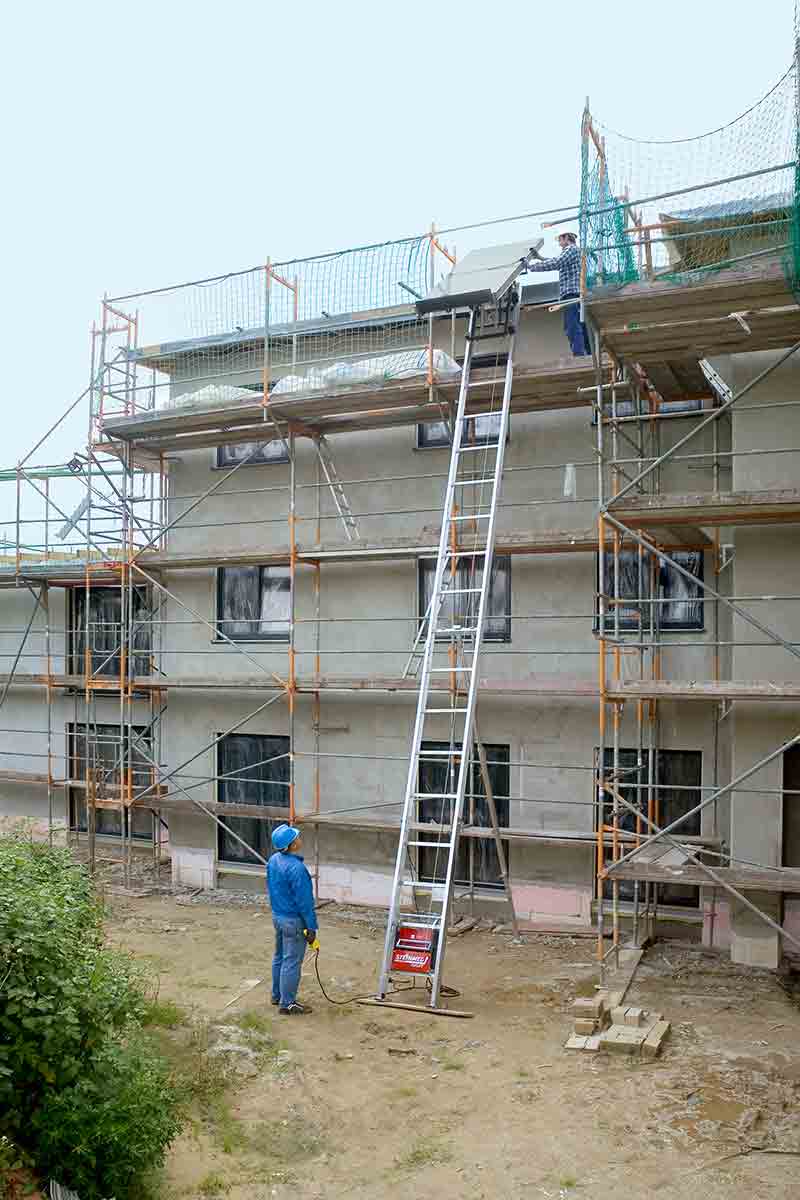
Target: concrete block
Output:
[(633, 1017), (585, 1027), (575, 1042), (615, 1044), (632, 1037), (193, 868), (655, 1038), (593, 1043), (618, 1015), (753, 943), (588, 1006)]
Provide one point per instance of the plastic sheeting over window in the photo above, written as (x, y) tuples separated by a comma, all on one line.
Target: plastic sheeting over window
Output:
[(105, 631), (253, 602), (482, 430), (678, 603), (462, 610), (253, 452), (253, 769), (677, 775), (433, 778), (101, 753)]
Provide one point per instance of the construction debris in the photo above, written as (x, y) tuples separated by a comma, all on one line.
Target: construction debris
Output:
[(621, 1030)]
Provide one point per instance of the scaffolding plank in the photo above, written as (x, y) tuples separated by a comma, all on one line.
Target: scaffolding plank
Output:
[(730, 689), (778, 879), (706, 509), (759, 284), (545, 386)]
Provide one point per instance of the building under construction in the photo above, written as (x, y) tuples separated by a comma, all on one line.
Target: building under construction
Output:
[(217, 608)]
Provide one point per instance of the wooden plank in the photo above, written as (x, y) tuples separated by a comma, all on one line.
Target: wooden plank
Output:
[(543, 386), (760, 284), (424, 1010), (705, 690), (706, 509), (320, 820), (781, 879), (531, 542), (704, 337)]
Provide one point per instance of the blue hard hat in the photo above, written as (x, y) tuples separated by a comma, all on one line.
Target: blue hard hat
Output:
[(283, 836)]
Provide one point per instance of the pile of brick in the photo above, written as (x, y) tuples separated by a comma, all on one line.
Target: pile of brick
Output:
[(619, 1029)]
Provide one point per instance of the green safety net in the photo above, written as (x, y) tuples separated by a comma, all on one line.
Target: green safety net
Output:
[(680, 210), (353, 281)]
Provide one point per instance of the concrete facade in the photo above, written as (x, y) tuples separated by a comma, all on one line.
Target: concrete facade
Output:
[(369, 614)]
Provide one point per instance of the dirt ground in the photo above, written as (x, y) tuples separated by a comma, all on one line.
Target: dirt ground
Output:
[(376, 1104)]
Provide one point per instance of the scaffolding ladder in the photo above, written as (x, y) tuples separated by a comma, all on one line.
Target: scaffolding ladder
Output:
[(456, 616)]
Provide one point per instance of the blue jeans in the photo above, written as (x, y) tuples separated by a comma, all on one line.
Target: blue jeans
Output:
[(575, 330), (290, 948)]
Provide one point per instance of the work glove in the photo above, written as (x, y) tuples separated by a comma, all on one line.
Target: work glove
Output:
[(312, 937)]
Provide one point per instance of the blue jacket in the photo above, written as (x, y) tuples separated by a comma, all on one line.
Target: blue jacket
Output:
[(289, 887)]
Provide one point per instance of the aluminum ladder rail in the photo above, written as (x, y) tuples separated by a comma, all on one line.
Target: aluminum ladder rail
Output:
[(337, 491), (429, 708)]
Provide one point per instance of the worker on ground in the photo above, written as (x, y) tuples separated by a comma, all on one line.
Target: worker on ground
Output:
[(568, 265), (292, 900)]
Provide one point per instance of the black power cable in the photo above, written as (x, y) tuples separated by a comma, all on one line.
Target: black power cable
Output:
[(446, 991)]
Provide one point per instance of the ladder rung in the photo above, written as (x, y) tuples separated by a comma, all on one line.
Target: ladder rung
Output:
[(469, 482), (459, 591), (461, 630), (421, 886), (439, 754), (483, 446), (486, 383), (472, 517), (431, 711), (435, 795), (428, 845)]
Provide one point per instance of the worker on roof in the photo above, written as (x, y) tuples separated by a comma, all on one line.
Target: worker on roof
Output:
[(291, 898), (568, 265)]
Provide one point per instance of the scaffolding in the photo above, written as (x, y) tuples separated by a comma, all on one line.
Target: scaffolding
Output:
[(267, 365), (739, 226)]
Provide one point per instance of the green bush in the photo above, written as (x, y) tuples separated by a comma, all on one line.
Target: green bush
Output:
[(68, 1005), (97, 1135)]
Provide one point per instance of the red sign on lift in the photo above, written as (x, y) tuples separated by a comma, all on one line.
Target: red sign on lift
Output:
[(414, 949)]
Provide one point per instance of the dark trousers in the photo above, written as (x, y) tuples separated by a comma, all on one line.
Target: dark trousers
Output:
[(575, 329)]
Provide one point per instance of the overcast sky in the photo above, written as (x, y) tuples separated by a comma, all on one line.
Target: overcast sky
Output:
[(145, 144)]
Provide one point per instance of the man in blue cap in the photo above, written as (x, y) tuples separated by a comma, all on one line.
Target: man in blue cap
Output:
[(292, 900)]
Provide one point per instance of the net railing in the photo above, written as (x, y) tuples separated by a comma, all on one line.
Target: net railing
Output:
[(681, 210), (218, 342)]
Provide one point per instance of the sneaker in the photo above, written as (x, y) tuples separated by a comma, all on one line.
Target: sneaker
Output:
[(295, 1009), (274, 1000)]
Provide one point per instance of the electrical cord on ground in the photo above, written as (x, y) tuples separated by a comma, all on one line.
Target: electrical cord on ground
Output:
[(445, 991)]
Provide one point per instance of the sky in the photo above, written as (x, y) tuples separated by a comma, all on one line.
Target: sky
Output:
[(147, 144)]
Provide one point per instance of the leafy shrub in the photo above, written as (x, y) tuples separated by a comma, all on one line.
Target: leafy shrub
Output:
[(96, 1136), (70, 1071)]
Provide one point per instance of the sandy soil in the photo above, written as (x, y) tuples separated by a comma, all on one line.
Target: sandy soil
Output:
[(377, 1104)]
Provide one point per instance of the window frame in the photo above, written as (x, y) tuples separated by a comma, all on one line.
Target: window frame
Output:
[(498, 755), (499, 561), (630, 624), (222, 635), (256, 460), (76, 797), (243, 824), (676, 895), (75, 649), (424, 442)]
